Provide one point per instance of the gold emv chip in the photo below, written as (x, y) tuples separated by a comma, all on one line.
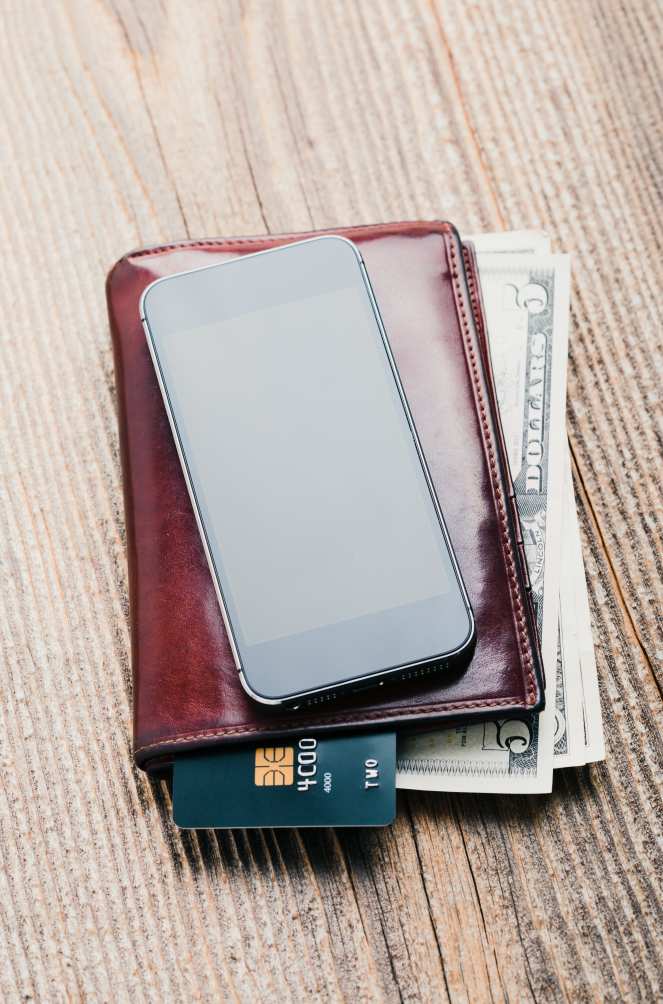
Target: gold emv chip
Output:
[(274, 766)]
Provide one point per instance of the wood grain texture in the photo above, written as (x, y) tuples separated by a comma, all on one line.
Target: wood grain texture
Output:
[(123, 124)]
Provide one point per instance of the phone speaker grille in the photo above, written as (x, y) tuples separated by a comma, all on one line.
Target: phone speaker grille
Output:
[(419, 672), (321, 699), (416, 673)]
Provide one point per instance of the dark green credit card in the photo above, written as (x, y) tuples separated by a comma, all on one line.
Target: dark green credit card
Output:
[(347, 780)]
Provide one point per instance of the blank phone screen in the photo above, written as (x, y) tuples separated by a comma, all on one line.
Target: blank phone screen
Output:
[(314, 500)]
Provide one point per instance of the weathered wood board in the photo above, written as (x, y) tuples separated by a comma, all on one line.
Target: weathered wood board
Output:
[(126, 123)]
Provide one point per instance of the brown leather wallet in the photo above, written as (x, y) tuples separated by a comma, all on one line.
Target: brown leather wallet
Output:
[(187, 692)]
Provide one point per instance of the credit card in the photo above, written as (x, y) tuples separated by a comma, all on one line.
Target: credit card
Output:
[(347, 780)]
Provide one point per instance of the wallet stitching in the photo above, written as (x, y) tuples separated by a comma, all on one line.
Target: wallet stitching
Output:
[(476, 310), (441, 227), (477, 320), (521, 634), (523, 640), (224, 730), (445, 229)]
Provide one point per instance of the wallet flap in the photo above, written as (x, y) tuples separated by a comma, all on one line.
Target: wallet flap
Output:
[(187, 691)]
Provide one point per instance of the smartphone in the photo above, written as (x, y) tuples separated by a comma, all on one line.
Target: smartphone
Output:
[(323, 533)]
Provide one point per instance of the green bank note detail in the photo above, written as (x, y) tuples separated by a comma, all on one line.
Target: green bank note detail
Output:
[(322, 780)]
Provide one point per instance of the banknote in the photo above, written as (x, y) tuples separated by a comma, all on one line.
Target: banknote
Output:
[(591, 717), (569, 748), (511, 242), (578, 725), (526, 298), (570, 745)]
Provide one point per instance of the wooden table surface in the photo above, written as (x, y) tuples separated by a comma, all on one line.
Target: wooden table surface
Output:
[(126, 123)]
